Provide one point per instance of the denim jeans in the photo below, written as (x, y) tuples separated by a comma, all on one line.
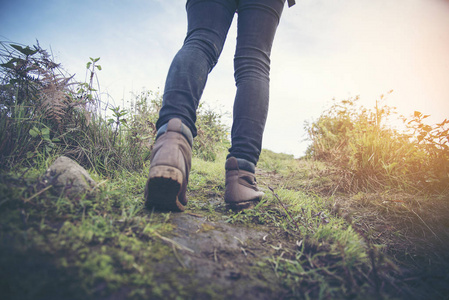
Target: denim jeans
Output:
[(208, 25)]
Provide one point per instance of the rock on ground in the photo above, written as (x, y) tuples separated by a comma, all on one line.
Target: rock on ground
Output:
[(67, 176)]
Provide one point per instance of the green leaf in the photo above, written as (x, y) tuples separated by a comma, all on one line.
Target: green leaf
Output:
[(88, 65), (45, 132), (122, 113), (10, 64), (99, 67), (34, 132), (27, 51)]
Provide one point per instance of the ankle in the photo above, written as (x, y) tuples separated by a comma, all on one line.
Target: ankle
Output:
[(245, 165), (185, 131)]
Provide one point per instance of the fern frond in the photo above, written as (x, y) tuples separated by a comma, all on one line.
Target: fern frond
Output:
[(54, 100)]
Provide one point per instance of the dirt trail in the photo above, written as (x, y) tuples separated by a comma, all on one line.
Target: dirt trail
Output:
[(230, 259), (222, 255)]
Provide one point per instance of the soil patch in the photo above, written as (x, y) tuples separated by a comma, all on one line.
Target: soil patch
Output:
[(225, 256)]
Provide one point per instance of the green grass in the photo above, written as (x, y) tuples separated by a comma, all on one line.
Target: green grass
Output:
[(90, 245), (107, 244)]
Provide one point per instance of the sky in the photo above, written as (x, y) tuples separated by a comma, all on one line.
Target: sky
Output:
[(323, 50)]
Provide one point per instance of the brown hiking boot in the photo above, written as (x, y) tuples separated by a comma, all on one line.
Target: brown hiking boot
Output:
[(169, 169), (241, 188)]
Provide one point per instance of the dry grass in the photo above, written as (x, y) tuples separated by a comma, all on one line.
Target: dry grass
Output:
[(411, 227), (414, 230)]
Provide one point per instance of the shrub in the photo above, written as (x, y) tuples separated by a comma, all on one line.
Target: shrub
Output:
[(212, 134), (35, 101), (43, 112), (359, 142)]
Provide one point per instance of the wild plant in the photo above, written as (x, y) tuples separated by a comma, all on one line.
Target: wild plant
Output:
[(370, 154), (34, 98), (43, 111), (434, 142), (211, 136)]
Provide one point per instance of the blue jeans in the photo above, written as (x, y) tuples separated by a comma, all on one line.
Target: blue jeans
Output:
[(208, 25)]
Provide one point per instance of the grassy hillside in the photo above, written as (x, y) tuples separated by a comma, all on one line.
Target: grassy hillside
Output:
[(299, 242), (364, 215)]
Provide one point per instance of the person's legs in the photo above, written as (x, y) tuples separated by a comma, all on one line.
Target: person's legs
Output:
[(208, 25), (257, 24)]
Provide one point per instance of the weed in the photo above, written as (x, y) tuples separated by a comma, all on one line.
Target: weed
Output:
[(359, 143)]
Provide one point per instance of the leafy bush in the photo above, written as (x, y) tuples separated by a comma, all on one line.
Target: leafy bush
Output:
[(35, 102), (212, 134), (43, 112), (371, 154)]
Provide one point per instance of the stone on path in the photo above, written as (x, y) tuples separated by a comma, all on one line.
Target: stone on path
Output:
[(67, 176)]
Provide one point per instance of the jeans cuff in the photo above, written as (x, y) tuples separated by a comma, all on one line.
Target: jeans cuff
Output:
[(184, 130), (246, 165)]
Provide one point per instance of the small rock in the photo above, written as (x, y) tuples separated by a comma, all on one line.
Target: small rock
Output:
[(67, 175)]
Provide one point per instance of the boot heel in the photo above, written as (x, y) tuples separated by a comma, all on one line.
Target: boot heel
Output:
[(171, 159), (166, 172), (163, 187)]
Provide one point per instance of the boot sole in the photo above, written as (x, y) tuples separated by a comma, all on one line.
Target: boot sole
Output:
[(239, 206), (163, 187)]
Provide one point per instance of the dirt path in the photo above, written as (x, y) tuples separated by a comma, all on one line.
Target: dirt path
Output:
[(229, 259), (224, 256)]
